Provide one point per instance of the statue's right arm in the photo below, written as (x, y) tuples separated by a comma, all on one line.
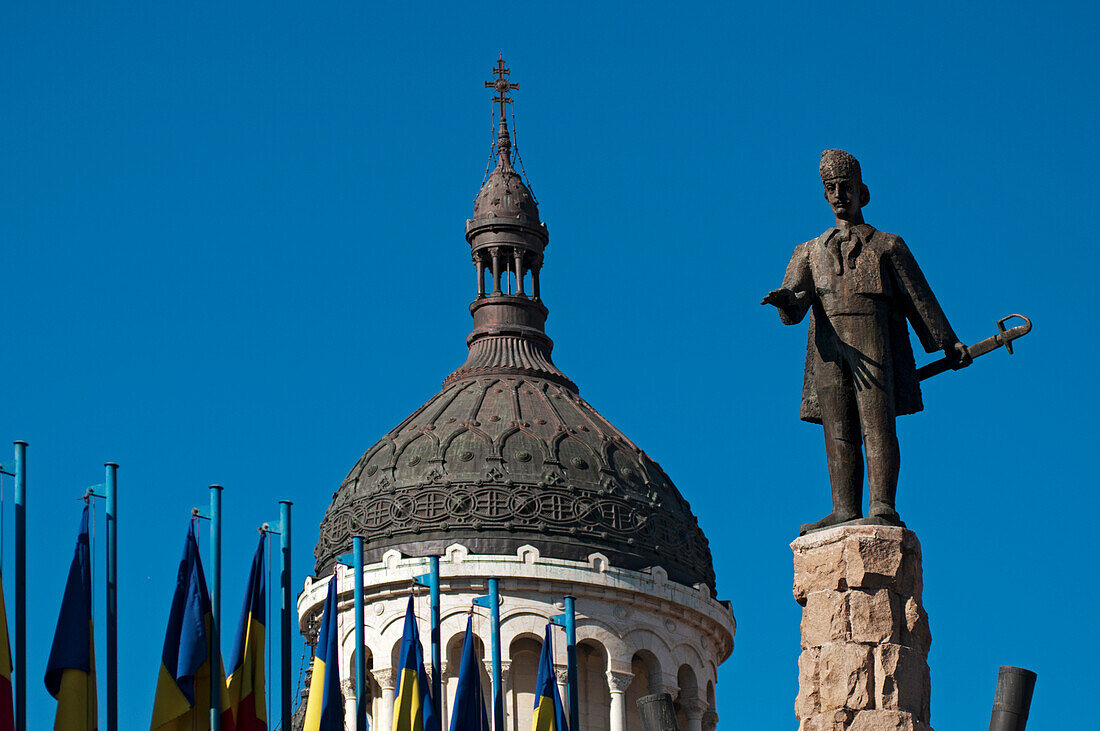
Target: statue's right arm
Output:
[(798, 281)]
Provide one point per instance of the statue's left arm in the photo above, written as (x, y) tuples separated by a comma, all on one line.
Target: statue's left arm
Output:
[(921, 307)]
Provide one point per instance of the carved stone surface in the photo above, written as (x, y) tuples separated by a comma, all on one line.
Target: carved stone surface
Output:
[(865, 635), (385, 677), (617, 681)]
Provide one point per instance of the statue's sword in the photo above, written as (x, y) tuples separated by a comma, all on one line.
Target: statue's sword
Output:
[(1003, 337)]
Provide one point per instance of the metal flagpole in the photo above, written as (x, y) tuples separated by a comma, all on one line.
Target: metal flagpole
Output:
[(21, 586), (112, 595), (360, 639), (492, 602), (431, 580), (285, 611), (569, 622), (571, 662), (437, 656), (215, 604)]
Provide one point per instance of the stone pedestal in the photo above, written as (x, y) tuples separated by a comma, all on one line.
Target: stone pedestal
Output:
[(865, 638)]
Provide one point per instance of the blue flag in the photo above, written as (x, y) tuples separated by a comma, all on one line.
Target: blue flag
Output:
[(413, 710), (549, 711), (70, 672), (325, 705), (468, 713), (182, 701)]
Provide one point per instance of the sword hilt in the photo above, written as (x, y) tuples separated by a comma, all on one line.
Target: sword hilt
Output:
[(1006, 336)]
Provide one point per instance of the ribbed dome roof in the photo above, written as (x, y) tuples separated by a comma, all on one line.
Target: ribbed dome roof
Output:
[(508, 453), (495, 462)]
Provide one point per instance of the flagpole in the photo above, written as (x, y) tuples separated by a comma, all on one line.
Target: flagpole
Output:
[(494, 628), (21, 586), (571, 662), (112, 595), (285, 611), (360, 639), (215, 605), (437, 660)]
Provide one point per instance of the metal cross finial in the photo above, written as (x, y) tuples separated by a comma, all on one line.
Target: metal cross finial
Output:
[(502, 85)]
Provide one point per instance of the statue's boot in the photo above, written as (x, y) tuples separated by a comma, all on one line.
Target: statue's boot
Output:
[(847, 499), (882, 505)]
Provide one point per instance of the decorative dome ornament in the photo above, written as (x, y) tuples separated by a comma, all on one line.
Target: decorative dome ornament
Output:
[(508, 454)]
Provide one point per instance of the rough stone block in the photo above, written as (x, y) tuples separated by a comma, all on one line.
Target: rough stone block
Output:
[(917, 634), (901, 680), (825, 618), (873, 561), (836, 720), (887, 721), (808, 700), (817, 568), (874, 616), (846, 676)]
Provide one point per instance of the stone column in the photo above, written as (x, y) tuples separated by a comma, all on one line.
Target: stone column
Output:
[(495, 252), (710, 720), (561, 674), (865, 637), (518, 254), (385, 678), (617, 683), (694, 708), (347, 687)]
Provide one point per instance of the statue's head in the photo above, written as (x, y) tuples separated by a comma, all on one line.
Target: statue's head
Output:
[(843, 181)]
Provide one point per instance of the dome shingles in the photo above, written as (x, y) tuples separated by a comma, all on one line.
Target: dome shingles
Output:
[(498, 462)]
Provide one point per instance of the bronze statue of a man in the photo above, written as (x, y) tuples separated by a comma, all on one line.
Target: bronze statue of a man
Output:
[(861, 285)]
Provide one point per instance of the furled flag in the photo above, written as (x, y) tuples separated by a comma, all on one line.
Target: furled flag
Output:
[(246, 667), (325, 704), (468, 713), (413, 710), (70, 672), (549, 712), (7, 707), (182, 702)]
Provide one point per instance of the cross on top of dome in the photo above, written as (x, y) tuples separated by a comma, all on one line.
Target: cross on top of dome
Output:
[(501, 84)]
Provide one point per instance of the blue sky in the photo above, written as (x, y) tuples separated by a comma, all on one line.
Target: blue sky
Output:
[(233, 252)]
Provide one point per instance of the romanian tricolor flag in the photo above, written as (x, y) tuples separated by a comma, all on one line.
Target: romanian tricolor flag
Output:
[(246, 674), (7, 707), (182, 702), (325, 704), (70, 672), (549, 712), (413, 710), (468, 713)]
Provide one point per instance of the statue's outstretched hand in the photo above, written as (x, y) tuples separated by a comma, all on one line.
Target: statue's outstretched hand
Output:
[(781, 297), (959, 354)]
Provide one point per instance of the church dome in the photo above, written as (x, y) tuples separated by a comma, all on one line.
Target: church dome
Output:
[(508, 453)]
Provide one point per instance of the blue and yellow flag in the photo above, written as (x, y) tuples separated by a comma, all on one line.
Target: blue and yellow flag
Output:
[(7, 706), (413, 710), (182, 702), (70, 672), (468, 713), (325, 704), (549, 711), (246, 666)]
